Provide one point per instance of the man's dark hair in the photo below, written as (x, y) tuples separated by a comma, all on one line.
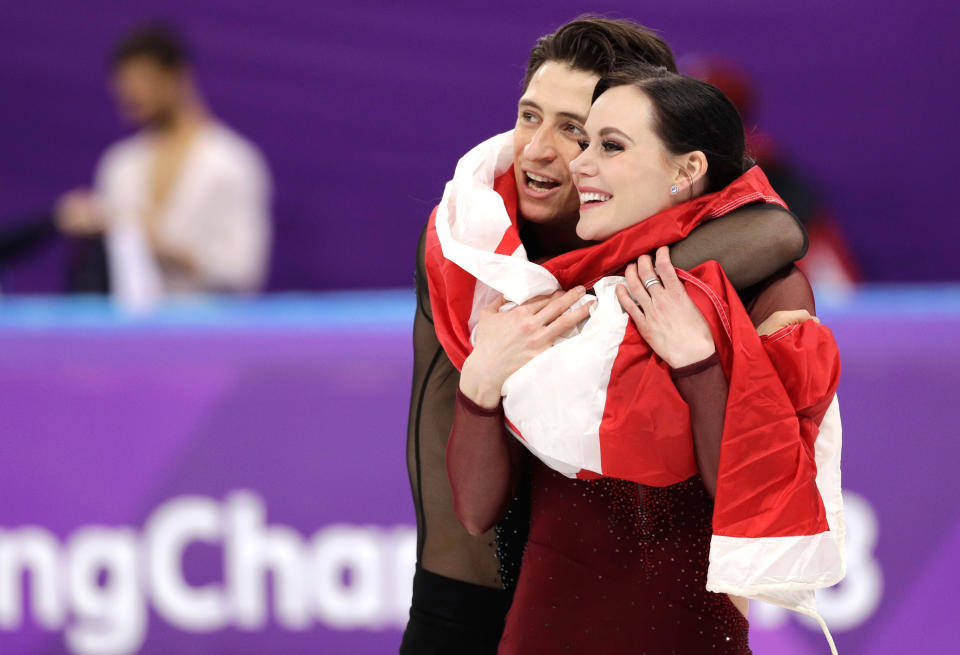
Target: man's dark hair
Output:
[(689, 115), (160, 43), (601, 46)]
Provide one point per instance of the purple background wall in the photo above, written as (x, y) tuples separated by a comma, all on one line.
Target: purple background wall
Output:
[(363, 108)]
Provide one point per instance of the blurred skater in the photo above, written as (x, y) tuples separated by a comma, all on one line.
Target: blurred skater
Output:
[(183, 204)]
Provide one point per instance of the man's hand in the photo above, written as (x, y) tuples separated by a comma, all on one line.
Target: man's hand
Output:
[(782, 319), (78, 213)]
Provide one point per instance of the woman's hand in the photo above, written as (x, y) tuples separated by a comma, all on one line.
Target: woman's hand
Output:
[(666, 317), (507, 340), (782, 319)]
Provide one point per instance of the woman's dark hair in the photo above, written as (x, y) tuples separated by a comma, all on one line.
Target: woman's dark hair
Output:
[(690, 115), (157, 42), (601, 46)]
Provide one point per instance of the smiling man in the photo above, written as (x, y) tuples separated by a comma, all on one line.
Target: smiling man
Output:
[(549, 128), (464, 584)]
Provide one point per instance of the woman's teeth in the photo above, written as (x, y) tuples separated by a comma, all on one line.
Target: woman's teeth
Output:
[(594, 197)]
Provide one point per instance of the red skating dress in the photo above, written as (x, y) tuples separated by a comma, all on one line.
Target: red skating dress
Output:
[(610, 566), (615, 567)]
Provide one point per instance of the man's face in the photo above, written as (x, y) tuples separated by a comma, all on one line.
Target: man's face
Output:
[(146, 91), (546, 139)]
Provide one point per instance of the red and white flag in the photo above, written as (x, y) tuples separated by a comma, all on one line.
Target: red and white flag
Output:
[(600, 403)]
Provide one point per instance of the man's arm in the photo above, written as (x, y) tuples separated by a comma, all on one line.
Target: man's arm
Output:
[(750, 243)]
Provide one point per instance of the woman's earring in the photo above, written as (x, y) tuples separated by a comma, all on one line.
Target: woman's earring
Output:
[(674, 189)]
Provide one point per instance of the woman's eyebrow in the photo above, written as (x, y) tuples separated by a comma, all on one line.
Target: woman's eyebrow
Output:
[(612, 130)]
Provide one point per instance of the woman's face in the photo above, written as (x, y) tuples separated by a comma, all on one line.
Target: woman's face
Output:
[(625, 173)]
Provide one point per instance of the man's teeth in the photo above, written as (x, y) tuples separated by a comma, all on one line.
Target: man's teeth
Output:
[(594, 197), (537, 178)]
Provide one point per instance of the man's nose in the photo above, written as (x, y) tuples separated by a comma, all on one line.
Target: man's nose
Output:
[(541, 146)]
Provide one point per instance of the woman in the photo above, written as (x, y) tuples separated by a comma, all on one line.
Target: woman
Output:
[(611, 565)]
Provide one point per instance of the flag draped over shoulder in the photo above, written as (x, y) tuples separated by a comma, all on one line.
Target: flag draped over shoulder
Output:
[(601, 403)]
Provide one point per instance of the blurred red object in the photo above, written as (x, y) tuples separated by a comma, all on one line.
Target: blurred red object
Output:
[(829, 263)]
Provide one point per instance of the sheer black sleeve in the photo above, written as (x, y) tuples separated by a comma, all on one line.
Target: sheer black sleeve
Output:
[(750, 243), (443, 545)]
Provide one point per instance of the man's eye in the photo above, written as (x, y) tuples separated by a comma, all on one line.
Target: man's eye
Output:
[(573, 128), (584, 144), (528, 117)]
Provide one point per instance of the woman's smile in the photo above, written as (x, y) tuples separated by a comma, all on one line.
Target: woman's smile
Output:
[(591, 198)]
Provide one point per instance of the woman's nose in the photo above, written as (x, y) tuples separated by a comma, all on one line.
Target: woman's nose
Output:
[(583, 164)]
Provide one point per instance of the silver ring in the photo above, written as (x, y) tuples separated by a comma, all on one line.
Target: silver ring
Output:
[(649, 283)]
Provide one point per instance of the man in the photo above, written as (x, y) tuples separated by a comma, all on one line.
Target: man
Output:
[(463, 584), (183, 203)]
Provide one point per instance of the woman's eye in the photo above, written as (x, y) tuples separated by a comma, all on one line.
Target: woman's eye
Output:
[(583, 145), (611, 146)]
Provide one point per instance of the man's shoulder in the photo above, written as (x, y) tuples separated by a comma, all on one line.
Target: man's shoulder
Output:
[(227, 150), (425, 236), (230, 142)]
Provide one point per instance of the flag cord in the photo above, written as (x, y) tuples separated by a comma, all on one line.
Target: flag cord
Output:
[(826, 632)]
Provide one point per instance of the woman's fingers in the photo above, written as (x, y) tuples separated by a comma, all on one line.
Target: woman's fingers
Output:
[(534, 305), (567, 321), (668, 275), (495, 306), (636, 288), (648, 275), (630, 306), (559, 304)]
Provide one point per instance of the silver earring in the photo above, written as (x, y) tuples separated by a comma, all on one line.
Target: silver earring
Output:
[(674, 189)]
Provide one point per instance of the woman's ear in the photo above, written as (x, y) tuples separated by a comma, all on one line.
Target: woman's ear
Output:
[(691, 173)]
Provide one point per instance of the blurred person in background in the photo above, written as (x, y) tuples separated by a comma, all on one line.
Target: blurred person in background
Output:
[(829, 262), (183, 204)]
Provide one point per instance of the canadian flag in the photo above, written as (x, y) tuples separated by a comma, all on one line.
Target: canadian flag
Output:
[(600, 403)]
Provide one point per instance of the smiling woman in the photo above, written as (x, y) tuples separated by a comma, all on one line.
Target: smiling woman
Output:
[(653, 139)]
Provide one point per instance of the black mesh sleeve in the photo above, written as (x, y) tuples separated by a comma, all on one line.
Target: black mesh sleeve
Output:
[(750, 243), (443, 545)]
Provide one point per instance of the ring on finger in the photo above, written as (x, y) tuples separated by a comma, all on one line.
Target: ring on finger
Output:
[(649, 283)]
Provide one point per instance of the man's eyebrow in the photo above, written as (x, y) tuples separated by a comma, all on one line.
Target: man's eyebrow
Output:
[(612, 130), (576, 117), (565, 114)]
